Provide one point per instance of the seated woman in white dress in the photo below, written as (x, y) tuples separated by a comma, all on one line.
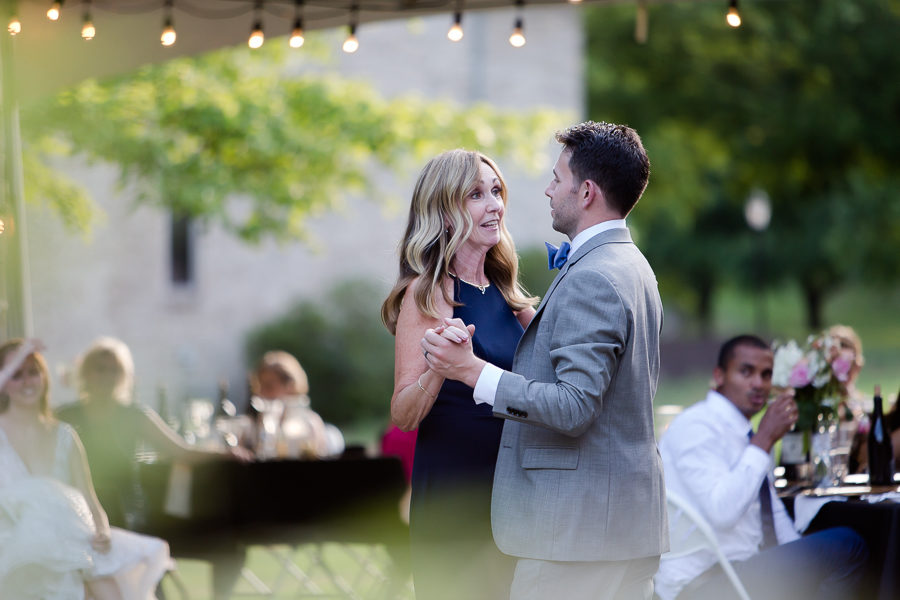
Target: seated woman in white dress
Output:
[(55, 539)]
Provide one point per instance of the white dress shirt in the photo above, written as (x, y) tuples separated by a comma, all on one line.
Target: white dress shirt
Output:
[(709, 461), (489, 379)]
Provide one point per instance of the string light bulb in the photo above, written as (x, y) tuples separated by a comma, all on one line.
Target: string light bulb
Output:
[(296, 40), (733, 17), (168, 36), (456, 31), (351, 44), (88, 31), (517, 38), (53, 12), (15, 26), (257, 37)]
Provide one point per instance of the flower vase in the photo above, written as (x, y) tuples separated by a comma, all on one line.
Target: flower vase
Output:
[(795, 446), (820, 451)]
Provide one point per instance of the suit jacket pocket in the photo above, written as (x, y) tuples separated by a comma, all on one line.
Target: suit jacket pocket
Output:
[(549, 457)]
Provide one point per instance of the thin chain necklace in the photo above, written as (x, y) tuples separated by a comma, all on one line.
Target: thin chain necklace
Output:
[(481, 288)]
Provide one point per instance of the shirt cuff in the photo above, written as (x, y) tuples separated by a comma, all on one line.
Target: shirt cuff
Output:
[(486, 386), (757, 458)]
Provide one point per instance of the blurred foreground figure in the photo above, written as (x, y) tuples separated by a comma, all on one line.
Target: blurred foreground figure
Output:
[(55, 539), (114, 430)]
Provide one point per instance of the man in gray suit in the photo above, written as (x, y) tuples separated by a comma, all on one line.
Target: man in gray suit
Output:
[(578, 489)]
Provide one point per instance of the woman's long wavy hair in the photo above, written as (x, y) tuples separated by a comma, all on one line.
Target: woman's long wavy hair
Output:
[(99, 350), (9, 348), (438, 226)]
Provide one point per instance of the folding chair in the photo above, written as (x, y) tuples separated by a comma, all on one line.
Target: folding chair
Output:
[(689, 532)]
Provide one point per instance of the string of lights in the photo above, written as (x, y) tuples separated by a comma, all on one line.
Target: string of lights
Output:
[(294, 12)]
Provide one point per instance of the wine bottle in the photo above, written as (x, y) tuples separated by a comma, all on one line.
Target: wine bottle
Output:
[(166, 411), (224, 408), (794, 455), (881, 450)]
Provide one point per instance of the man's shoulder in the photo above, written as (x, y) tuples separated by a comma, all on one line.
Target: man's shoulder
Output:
[(694, 424)]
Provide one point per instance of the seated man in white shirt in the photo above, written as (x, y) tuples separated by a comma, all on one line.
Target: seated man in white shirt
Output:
[(714, 460)]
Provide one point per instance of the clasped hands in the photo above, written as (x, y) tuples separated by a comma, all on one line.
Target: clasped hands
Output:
[(448, 351)]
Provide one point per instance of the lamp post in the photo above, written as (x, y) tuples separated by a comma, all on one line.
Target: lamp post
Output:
[(758, 214)]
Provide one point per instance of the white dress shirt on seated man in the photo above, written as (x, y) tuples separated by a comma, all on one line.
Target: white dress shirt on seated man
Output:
[(708, 460)]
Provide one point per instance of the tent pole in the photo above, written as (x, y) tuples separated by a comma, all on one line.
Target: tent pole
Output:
[(15, 300)]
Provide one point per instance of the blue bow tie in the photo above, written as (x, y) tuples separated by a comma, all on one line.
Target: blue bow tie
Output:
[(556, 257)]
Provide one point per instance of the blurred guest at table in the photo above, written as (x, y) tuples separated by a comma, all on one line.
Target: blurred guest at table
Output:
[(402, 444), (853, 404), (55, 538), (281, 391), (456, 260), (852, 413), (114, 430), (720, 466)]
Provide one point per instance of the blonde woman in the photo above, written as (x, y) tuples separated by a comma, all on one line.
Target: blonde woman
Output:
[(457, 259), (113, 428)]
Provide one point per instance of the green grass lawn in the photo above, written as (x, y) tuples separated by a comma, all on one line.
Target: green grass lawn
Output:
[(315, 570)]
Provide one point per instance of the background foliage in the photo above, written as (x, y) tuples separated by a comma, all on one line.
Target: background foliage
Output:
[(240, 139), (800, 101)]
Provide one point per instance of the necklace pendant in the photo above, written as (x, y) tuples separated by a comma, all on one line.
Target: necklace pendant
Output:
[(480, 287)]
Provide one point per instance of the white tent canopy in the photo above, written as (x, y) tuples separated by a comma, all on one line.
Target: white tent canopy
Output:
[(49, 54)]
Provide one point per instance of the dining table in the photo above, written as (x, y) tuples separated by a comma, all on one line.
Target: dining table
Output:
[(872, 511), (224, 505)]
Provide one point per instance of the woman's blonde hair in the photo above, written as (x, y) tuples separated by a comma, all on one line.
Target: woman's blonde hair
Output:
[(848, 338), (438, 226), (9, 348), (286, 367), (117, 350)]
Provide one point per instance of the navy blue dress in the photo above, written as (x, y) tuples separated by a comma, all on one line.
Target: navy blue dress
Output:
[(453, 552)]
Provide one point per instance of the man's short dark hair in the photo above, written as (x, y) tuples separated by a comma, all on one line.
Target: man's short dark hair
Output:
[(613, 157), (726, 352)]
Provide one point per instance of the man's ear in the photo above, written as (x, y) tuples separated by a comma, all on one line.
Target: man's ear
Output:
[(718, 377), (590, 193)]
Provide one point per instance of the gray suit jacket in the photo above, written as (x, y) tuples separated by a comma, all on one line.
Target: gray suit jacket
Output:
[(579, 477)]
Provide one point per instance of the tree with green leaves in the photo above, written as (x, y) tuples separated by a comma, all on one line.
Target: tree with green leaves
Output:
[(800, 101), (235, 138)]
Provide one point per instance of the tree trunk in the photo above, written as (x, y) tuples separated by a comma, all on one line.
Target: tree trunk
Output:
[(815, 298)]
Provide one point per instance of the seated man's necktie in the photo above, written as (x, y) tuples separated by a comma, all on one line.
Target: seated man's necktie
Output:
[(765, 511)]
